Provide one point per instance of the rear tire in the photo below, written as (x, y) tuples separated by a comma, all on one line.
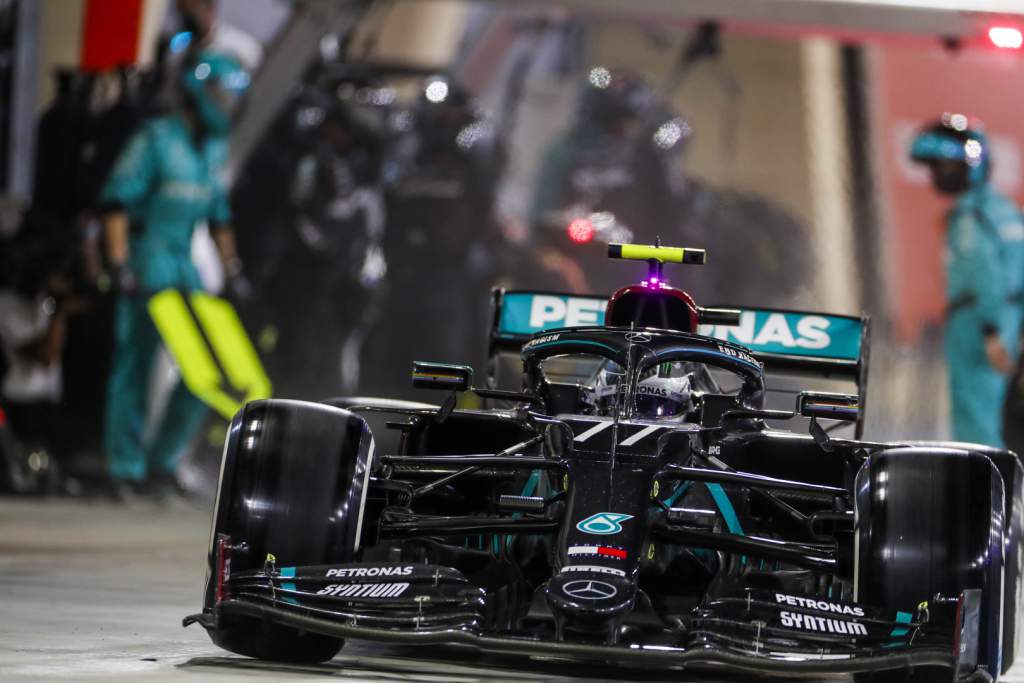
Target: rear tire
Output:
[(292, 483), (924, 517)]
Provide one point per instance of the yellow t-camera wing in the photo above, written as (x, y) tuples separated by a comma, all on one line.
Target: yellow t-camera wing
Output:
[(218, 361), (647, 252)]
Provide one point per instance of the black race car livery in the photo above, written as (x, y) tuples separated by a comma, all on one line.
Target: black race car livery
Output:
[(625, 495)]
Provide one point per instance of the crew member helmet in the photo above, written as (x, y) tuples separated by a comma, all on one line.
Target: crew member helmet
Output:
[(955, 138), (215, 83)]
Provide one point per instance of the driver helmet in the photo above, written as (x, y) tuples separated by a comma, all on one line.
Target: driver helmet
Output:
[(665, 392)]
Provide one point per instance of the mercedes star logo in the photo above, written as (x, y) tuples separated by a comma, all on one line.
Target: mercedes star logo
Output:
[(638, 337), (589, 590)]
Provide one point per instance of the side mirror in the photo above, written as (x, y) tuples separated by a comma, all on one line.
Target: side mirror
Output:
[(427, 375), (823, 404), (728, 317)]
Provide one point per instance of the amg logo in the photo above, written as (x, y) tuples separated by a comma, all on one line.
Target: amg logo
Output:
[(809, 623), (820, 605), (344, 572), (364, 590)]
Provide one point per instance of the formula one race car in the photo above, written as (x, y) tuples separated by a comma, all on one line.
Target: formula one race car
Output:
[(631, 504)]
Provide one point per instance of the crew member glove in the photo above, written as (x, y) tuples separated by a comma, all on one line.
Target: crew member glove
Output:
[(238, 284), (240, 287), (997, 355), (124, 280)]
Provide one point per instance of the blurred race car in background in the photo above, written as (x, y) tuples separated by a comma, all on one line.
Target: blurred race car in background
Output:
[(629, 497)]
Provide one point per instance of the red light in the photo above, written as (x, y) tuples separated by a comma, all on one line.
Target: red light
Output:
[(223, 567), (581, 231), (1006, 37), (3, 417)]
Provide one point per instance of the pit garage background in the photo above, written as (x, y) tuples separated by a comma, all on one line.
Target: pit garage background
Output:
[(782, 130), (790, 164)]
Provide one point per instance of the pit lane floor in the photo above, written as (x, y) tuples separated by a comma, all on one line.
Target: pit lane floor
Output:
[(92, 591)]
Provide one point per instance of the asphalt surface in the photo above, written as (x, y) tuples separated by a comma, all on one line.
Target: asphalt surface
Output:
[(94, 591)]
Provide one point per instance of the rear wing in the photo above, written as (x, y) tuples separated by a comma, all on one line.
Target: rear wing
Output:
[(789, 343), (518, 315), (802, 344)]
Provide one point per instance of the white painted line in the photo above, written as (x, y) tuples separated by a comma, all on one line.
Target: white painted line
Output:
[(640, 435), (362, 495), (599, 427)]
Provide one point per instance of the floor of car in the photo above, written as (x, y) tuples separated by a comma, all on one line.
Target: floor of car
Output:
[(96, 592)]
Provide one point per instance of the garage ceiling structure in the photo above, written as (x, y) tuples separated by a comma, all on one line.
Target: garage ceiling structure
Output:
[(952, 18), (963, 20)]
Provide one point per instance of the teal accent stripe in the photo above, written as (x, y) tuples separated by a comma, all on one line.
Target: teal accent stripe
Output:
[(575, 341), (901, 618), (725, 507), (531, 483), (288, 573), (675, 494)]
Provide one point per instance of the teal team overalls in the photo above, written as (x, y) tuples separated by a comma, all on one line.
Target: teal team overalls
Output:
[(984, 273), (166, 181), (985, 287)]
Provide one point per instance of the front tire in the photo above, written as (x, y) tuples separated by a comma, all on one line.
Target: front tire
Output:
[(925, 515), (293, 484), (1010, 468)]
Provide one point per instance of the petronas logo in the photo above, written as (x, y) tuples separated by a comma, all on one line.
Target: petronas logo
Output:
[(603, 523)]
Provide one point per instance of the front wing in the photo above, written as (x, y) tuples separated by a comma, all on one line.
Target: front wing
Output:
[(753, 631)]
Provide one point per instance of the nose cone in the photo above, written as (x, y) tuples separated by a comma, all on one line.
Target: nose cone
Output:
[(590, 597)]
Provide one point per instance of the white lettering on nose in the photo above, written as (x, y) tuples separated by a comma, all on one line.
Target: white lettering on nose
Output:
[(546, 309)]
